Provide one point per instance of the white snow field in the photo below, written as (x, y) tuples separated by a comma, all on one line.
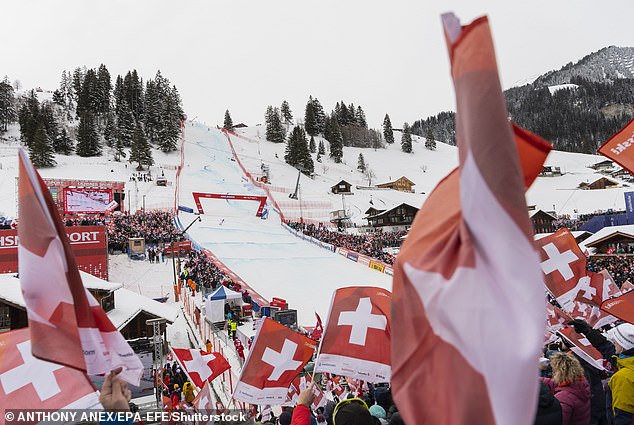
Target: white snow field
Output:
[(265, 255)]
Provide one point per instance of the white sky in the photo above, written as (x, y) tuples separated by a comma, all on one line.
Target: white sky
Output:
[(243, 55)]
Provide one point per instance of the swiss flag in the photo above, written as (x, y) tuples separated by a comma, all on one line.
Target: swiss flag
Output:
[(200, 365), (621, 307), (318, 330), (591, 314), (276, 358), (557, 319), (29, 383), (583, 348), (600, 288), (626, 287), (356, 342), (467, 272), (334, 385), (300, 384), (620, 147), (564, 268), (68, 326), (205, 400)]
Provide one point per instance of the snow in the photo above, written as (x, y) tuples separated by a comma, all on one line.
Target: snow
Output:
[(128, 304), (627, 229), (555, 89)]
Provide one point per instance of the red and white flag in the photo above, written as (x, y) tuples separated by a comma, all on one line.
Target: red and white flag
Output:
[(300, 384), (468, 273), (318, 330), (591, 314), (334, 385), (205, 400), (557, 319), (68, 326), (621, 307), (582, 348), (626, 287), (564, 268), (200, 365), (277, 357), (356, 342), (601, 287), (30, 383), (620, 147)]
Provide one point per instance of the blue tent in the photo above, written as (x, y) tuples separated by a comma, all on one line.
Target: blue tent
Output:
[(215, 302)]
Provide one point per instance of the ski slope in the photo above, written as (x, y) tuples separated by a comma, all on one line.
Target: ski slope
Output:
[(265, 255)]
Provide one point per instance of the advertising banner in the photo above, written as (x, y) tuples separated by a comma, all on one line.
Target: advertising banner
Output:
[(89, 244), (364, 260), (377, 266), (87, 201)]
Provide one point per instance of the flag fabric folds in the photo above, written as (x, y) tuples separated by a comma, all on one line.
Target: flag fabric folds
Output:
[(620, 147), (30, 383), (276, 358), (67, 324), (200, 365), (356, 342), (468, 305)]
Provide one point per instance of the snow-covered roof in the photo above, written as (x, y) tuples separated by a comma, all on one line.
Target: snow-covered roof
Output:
[(533, 212), (609, 231), (575, 233), (11, 291), (127, 303)]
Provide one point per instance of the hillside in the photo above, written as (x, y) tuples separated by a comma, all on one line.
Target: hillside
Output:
[(577, 107)]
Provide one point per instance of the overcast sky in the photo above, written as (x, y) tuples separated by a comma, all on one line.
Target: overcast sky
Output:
[(242, 55)]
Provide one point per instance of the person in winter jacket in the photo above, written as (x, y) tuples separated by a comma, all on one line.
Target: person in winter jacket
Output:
[(548, 408), (188, 391), (618, 349), (570, 388)]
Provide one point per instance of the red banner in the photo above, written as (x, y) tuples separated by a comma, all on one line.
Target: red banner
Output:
[(89, 243)]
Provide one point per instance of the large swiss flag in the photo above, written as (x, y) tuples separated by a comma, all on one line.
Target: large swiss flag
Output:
[(200, 365), (564, 268), (276, 358), (468, 273), (30, 383), (356, 342), (68, 326)]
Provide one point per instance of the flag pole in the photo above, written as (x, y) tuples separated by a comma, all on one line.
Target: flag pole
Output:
[(324, 327)]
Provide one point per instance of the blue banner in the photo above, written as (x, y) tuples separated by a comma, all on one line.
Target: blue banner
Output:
[(629, 206), (185, 209)]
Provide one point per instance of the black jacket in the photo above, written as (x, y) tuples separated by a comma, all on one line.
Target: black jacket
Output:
[(548, 408)]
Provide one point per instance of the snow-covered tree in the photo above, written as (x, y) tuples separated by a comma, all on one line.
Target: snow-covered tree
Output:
[(406, 139), (388, 135)]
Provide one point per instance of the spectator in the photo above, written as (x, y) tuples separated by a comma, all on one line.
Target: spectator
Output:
[(570, 388)]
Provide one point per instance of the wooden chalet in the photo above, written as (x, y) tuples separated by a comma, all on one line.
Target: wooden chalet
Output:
[(400, 215), (402, 184), (342, 187)]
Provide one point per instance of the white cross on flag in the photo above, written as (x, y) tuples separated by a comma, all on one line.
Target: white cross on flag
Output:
[(68, 326), (465, 276), (30, 383), (596, 288), (205, 400), (557, 319), (564, 268), (298, 385), (276, 357), (582, 348), (626, 287), (356, 340), (591, 314), (200, 365)]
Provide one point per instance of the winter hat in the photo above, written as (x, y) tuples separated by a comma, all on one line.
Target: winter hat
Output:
[(623, 335), (377, 411), (353, 414), (285, 418)]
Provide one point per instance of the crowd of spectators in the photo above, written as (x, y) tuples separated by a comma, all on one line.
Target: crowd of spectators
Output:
[(370, 244), (155, 227), (620, 267)]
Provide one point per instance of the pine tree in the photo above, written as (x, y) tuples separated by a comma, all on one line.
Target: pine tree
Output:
[(320, 116), (311, 145), (285, 110), (318, 157), (41, 149), (172, 114), (336, 140), (29, 118), (388, 135), (310, 119), (7, 104), (406, 139), (430, 143), (360, 115), (64, 143), (228, 125), (125, 125), (275, 131), (297, 153), (140, 152), (87, 136), (104, 91), (361, 163), (322, 148)]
